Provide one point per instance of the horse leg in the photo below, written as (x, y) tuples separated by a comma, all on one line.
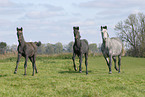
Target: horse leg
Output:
[(119, 63), (73, 58), (18, 60), (107, 61), (33, 65), (34, 58), (25, 65), (86, 62), (31, 59), (110, 64), (114, 59), (80, 60)]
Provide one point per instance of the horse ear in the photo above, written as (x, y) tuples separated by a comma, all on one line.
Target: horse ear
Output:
[(101, 27), (77, 28), (106, 27), (17, 29), (21, 29), (73, 28)]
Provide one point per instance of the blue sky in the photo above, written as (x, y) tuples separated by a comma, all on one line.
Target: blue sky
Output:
[(51, 21)]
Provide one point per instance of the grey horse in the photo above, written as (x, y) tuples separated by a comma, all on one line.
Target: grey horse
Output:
[(111, 47), (80, 47)]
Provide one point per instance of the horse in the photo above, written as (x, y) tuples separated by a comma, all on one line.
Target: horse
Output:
[(80, 47), (111, 47), (27, 50)]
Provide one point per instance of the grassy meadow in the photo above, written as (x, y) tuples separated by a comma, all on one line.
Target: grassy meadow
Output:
[(57, 78)]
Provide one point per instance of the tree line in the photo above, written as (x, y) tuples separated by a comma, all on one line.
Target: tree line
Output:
[(48, 48)]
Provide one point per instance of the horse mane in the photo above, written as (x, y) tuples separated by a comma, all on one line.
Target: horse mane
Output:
[(116, 38)]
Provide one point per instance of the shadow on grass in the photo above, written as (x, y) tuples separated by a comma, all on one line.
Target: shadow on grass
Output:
[(73, 72), (3, 75)]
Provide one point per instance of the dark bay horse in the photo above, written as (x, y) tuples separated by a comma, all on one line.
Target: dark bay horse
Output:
[(80, 47), (111, 47), (27, 50)]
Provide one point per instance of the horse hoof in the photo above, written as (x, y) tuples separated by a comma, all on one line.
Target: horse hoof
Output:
[(119, 72), (86, 73), (110, 72), (75, 69), (25, 74), (80, 71), (116, 69), (15, 72)]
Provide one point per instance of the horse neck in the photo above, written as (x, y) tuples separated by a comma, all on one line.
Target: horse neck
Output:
[(78, 42), (22, 42), (105, 42)]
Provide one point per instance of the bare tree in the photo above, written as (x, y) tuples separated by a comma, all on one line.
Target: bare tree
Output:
[(132, 31)]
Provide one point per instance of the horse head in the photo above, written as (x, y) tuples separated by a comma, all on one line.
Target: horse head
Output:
[(76, 33), (104, 33), (19, 34)]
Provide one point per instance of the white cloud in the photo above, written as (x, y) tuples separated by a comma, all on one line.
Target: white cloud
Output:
[(5, 22), (6, 3), (83, 23), (135, 11), (112, 4), (43, 14), (52, 7)]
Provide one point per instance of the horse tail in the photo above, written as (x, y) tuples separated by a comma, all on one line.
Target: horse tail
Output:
[(38, 43)]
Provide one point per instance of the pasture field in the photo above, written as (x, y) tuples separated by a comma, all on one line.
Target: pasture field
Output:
[(57, 78)]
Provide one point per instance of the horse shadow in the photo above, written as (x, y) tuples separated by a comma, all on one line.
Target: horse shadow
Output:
[(70, 71), (3, 75)]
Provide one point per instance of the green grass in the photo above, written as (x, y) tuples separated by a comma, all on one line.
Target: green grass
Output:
[(56, 78)]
